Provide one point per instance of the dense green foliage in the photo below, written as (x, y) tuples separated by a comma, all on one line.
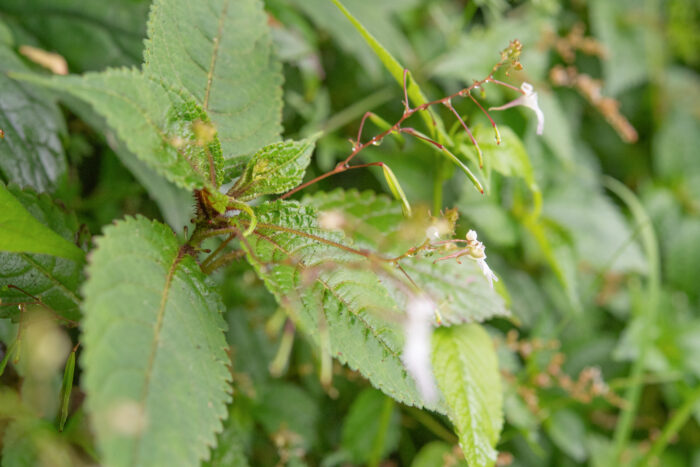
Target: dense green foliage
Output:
[(197, 268)]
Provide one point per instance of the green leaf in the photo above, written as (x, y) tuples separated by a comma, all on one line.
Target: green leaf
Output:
[(508, 158), (274, 169), (376, 222), (287, 406), (415, 94), (566, 429), (466, 369), (31, 153), (220, 52), (89, 35), (323, 286), (437, 453), (160, 126), (372, 428), (66, 389), (22, 233), (154, 360), (600, 233), (53, 280)]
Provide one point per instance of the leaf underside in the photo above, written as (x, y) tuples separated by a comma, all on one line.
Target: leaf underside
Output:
[(155, 366)]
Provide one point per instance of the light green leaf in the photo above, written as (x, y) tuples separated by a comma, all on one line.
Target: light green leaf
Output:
[(324, 286), (274, 169), (22, 233), (31, 153), (220, 52), (372, 428), (375, 222), (159, 126), (154, 361), (466, 370)]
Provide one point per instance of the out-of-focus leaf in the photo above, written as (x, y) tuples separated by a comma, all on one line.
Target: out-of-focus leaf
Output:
[(284, 406), (683, 253), (620, 27), (154, 361), (31, 153), (220, 51), (567, 430), (601, 235), (466, 369), (21, 232), (53, 280), (90, 35), (375, 16), (275, 169), (371, 429), (437, 453), (415, 94)]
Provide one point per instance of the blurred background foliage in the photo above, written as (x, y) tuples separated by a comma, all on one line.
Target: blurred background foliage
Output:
[(601, 358)]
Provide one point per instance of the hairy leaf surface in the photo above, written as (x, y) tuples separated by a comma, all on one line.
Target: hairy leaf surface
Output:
[(323, 286), (466, 369), (275, 169), (375, 222), (220, 51), (160, 126), (155, 366), (31, 154), (52, 280)]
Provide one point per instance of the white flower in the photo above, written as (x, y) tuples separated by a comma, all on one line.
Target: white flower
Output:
[(528, 99), (487, 271), (418, 328)]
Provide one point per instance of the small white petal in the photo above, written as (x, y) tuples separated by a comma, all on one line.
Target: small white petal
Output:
[(486, 270), (528, 99), (471, 236)]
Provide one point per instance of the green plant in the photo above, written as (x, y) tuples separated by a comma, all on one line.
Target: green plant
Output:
[(215, 320)]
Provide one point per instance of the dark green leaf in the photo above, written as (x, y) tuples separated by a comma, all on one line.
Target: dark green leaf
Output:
[(90, 35), (31, 154), (372, 428)]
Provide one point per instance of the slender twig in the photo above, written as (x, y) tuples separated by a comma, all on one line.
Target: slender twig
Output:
[(359, 146)]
